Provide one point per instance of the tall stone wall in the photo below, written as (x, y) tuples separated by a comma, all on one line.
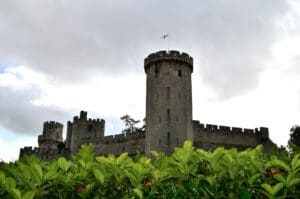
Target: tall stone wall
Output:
[(84, 131), (209, 136)]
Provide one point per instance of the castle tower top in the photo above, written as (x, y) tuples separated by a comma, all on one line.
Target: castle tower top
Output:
[(172, 55)]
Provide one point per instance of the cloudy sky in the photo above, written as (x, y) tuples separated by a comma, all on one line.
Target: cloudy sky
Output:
[(60, 57)]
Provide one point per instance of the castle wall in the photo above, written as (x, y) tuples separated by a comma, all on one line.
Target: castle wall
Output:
[(117, 144), (84, 131), (211, 136), (45, 154)]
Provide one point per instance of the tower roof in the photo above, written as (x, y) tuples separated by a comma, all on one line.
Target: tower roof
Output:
[(172, 55)]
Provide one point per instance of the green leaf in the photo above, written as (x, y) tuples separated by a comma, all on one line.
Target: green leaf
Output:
[(293, 182), (187, 144), (28, 195), (10, 183), (37, 169), (253, 178), (294, 161), (245, 195), (155, 153), (2, 178), (122, 158), (272, 190), (279, 163), (103, 160), (279, 178), (63, 164), (16, 193), (99, 175), (138, 192)]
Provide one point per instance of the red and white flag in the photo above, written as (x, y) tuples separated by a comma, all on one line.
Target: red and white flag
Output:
[(164, 36)]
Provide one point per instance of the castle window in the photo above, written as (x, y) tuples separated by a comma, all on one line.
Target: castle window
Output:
[(168, 92), (90, 127), (177, 118), (179, 73), (168, 115), (168, 139), (156, 70)]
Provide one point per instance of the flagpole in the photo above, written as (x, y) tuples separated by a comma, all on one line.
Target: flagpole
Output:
[(168, 42)]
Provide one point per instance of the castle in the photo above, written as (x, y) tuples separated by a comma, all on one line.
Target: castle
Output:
[(169, 120)]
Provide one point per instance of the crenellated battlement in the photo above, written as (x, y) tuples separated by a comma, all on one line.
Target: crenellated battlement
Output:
[(123, 137), (51, 136), (211, 128), (49, 125), (44, 154), (83, 117), (172, 55)]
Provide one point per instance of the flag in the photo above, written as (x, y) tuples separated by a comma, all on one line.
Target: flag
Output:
[(164, 36)]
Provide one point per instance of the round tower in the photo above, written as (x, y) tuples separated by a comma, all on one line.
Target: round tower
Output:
[(168, 100)]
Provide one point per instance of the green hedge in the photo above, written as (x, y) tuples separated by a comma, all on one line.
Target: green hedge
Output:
[(187, 173)]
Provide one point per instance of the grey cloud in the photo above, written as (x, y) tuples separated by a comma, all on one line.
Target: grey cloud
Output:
[(19, 115), (72, 40)]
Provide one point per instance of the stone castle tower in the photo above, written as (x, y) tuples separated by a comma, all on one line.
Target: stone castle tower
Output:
[(169, 120), (168, 100), (52, 135)]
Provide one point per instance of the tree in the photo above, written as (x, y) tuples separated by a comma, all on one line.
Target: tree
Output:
[(295, 135), (294, 141), (130, 124)]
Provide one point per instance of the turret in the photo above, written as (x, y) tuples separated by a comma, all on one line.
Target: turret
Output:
[(168, 100), (84, 131), (52, 135)]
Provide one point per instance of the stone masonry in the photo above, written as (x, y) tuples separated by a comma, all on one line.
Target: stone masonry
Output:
[(168, 120)]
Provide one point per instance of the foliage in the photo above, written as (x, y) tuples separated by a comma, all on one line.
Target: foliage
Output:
[(130, 124), (187, 173), (294, 141)]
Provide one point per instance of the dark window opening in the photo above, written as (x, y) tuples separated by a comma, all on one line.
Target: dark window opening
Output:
[(156, 71), (168, 114), (179, 73), (90, 127), (177, 141), (159, 141), (168, 139), (168, 92), (177, 118)]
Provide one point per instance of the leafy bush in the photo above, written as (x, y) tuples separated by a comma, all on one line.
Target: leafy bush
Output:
[(187, 173)]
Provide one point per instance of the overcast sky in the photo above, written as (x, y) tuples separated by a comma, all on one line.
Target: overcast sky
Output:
[(60, 57)]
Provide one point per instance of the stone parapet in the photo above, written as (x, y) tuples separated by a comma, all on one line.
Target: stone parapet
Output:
[(172, 55), (123, 137), (211, 128)]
